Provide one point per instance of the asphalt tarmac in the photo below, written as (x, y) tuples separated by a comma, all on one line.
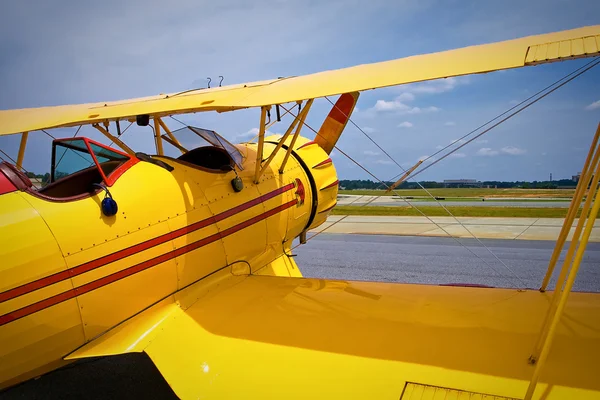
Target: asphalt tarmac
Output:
[(439, 260), (409, 259)]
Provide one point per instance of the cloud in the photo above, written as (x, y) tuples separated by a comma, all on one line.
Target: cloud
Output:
[(383, 162), (514, 102), (438, 85), (405, 124), (595, 105), (251, 133), (370, 153), (450, 123), (486, 151), (399, 106), (368, 129), (458, 155), (439, 147), (513, 151), (407, 96), (394, 105), (433, 87), (482, 141)]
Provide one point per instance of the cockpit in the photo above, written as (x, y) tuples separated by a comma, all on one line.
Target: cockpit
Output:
[(78, 164), (208, 150)]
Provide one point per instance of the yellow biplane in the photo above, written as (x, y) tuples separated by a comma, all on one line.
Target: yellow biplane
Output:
[(189, 260)]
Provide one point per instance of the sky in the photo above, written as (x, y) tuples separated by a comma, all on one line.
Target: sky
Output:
[(68, 52)]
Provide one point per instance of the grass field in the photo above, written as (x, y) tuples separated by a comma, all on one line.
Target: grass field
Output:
[(506, 212), (469, 192)]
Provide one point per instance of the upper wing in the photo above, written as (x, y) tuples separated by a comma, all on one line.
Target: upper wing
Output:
[(532, 50), (274, 337)]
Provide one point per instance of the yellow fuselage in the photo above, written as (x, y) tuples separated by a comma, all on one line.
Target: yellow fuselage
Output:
[(69, 274)]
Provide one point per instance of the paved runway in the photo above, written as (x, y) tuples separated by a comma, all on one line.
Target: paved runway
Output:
[(357, 257), (436, 260)]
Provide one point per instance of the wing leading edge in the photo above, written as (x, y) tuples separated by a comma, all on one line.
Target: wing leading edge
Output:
[(532, 50), (273, 337)]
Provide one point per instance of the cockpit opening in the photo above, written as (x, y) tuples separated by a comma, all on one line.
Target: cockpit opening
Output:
[(78, 164), (209, 150)]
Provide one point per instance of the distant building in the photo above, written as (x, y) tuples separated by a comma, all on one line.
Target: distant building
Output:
[(458, 183), (575, 178)]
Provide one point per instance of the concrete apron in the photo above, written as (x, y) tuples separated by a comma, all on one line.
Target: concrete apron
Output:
[(489, 227)]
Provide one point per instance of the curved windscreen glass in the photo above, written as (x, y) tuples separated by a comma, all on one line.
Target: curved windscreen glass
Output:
[(70, 157), (73, 155), (192, 137)]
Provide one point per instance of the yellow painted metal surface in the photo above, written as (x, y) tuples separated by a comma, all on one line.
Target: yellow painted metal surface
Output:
[(89, 272), (581, 42), (275, 337), (22, 147), (32, 346)]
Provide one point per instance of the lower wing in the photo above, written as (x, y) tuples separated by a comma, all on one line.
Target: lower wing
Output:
[(249, 336)]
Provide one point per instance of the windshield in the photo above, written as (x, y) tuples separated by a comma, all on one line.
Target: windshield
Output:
[(73, 155), (70, 157), (192, 137)]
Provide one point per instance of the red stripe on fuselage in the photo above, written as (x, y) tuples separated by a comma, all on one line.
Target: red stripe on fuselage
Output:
[(99, 262), (88, 287)]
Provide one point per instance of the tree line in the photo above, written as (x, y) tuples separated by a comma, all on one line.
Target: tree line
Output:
[(353, 184)]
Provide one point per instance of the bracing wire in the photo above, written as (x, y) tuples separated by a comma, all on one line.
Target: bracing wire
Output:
[(13, 161), (416, 208), (122, 133), (579, 71), (566, 79), (339, 220)]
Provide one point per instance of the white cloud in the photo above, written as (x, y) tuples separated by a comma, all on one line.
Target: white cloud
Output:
[(406, 96), (399, 106), (384, 162), (593, 106), (368, 129), (405, 124), (251, 133), (458, 155), (514, 102), (449, 123), (394, 105), (513, 151), (482, 141), (439, 147), (370, 153), (438, 85), (486, 151)]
